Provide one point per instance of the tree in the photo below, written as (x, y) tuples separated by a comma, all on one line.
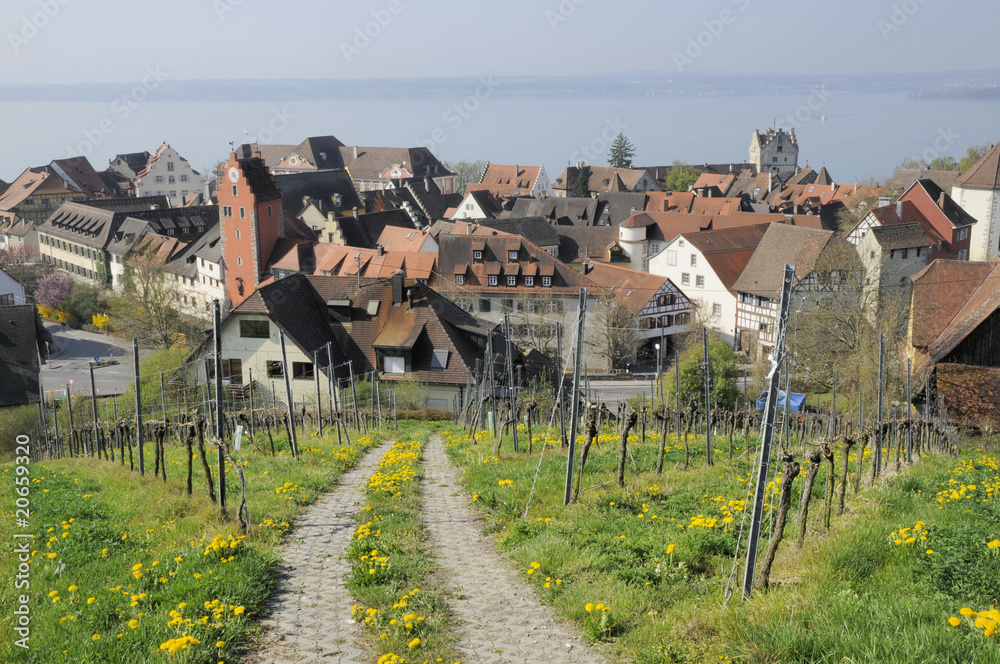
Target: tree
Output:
[(581, 185), (972, 155), (21, 262), (681, 177), (622, 152), (149, 306), (54, 290), (84, 302), (723, 373), (616, 330), (467, 172), (533, 320), (947, 163)]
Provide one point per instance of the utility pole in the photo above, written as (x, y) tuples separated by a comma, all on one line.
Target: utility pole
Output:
[(293, 443), (909, 412), (833, 413), (219, 431), (575, 409), (138, 407), (354, 392), (69, 408), (881, 400), (93, 401), (510, 375), (319, 400), (562, 381), (708, 400), (163, 398), (774, 382), (252, 426)]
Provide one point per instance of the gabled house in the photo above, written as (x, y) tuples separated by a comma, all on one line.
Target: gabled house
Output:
[(978, 192), (561, 211), (941, 216), (29, 199), (396, 239), (478, 204), (759, 286), (333, 260), (11, 291), (513, 181), (534, 229), (168, 174), (603, 179), (594, 244), (394, 328), (659, 308), (954, 339), (891, 255), (22, 352), (705, 265), (374, 168)]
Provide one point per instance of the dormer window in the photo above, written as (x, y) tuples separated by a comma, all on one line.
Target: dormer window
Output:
[(529, 281), (493, 280), (512, 255), (477, 255), (460, 279), (546, 282), (511, 281)]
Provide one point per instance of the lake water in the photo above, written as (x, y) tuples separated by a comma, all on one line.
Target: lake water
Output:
[(853, 135)]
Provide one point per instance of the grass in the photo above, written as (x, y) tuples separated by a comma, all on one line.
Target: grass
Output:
[(402, 616), (114, 554), (848, 595)]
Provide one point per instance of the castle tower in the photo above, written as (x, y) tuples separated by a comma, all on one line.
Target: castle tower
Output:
[(251, 221), (775, 152)]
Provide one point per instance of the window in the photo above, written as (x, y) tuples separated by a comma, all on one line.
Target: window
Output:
[(962, 234), (239, 260), (460, 279), (7, 300), (905, 253), (485, 304), (439, 360), (511, 281), (694, 260), (170, 165), (699, 281), (546, 282), (159, 179), (918, 251), (872, 255), (227, 211), (493, 280), (671, 257), (774, 160), (685, 279), (892, 253), (512, 256), (237, 234), (255, 329), (184, 178), (394, 364), (243, 213), (529, 281), (275, 369), (507, 304), (477, 255), (963, 254), (171, 180), (235, 194), (303, 370), (763, 327), (173, 193), (680, 243), (716, 309), (270, 211), (654, 248), (468, 206)]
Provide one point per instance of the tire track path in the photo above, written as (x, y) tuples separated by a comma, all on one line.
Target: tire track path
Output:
[(504, 620), (310, 619)]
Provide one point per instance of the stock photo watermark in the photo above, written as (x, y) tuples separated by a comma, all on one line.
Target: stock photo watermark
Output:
[(807, 111), (33, 24), (562, 12), (598, 148), (22, 540), (120, 110), (458, 113), (280, 120), (900, 16), (224, 7), (365, 34), (714, 28), (945, 141)]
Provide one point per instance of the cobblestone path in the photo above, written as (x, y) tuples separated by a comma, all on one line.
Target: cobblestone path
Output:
[(310, 618), (504, 620)]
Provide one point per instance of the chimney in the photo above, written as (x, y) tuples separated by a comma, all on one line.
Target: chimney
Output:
[(380, 249), (770, 178), (409, 298), (899, 209), (256, 151), (397, 288), (355, 212), (941, 200), (355, 152), (468, 228), (427, 183)]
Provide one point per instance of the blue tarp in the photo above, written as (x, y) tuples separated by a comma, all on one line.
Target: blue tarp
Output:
[(796, 403)]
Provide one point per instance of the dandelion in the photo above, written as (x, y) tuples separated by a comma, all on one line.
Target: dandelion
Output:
[(95, 637), (954, 622), (72, 589), (220, 644), (414, 643), (589, 607), (930, 552), (670, 548)]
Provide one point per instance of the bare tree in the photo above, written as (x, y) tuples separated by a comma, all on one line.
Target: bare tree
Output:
[(149, 305), (533, 317), (616, 329)]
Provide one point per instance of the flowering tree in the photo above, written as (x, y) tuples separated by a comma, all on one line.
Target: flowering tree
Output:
[(54, 290)]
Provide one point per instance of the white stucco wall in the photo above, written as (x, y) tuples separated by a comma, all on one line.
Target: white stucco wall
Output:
[(984, 206)]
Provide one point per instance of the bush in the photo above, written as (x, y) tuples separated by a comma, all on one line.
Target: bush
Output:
[(424, 414)]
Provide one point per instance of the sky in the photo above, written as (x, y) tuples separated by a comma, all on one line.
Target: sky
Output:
[(98, 41)]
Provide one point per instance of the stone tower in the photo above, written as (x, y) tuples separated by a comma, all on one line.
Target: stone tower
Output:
[(775, 152)]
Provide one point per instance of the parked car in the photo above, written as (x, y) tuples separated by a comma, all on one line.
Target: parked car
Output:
[(797, 402)]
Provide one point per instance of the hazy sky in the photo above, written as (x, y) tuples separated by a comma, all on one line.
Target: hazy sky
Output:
[(65, 41)]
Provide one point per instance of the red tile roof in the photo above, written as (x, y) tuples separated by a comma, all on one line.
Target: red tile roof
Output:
[(984, 174)]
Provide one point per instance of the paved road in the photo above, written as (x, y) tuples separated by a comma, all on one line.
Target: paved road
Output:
[(73, 350), (617, 390)]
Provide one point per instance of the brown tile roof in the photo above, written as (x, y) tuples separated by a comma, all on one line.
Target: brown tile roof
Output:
[(631, 288), (940, 291), (981, 304), (33, 181), (984, 174), (521, 182), (782, 244), (591, 242), (901, 236), (602, 178), (728, 250), (723, 182), (394, 238), (665, 226), (372, 162)]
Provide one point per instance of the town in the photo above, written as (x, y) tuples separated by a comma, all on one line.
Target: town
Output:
[(288, 237)]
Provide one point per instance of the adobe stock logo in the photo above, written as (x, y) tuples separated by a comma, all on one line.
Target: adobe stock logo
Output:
[(714, 28), (363, 35), (32, 25)]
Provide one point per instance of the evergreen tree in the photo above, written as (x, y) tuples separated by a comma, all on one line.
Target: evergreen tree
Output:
[(581, 185), (621, 153)]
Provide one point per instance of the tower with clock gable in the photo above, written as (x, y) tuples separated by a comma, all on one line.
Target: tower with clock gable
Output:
[(251, 221)]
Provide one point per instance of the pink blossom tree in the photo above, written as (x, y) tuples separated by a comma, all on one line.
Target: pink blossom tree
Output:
[(54, 290)]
